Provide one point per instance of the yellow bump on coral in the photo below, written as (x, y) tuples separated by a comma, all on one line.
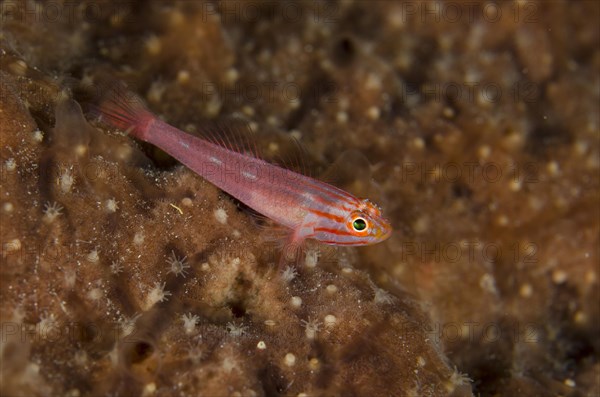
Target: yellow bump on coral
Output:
[(232, 75), (373, 113), (156, 91), (138, 238), (296, 301), (526, 290), (248, 110), (294, 103), (38, 136), (514, 185), (502, 220), (176, 17), (221, 216), (153, 45), (183, 77), (186, 202), (66, 181), (70, 278), (289, 360), (590, 277), (273, 120), (273, 147), (10, 164), (331, 288), (418, 143), (373, 82), (296, 134), (580, 318), (341, 117), (559, 276), (484, 152), (330, 321), (488, 283), (213, 105), (93, 256), (261, 345), (8, 207), (95, 294), (421, 224), (149, 389), (111, 206), (80, 150), (448, 112), (553, 168), (311, 257)]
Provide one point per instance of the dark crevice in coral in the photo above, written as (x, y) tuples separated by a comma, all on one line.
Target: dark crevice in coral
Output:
[(363, 18), (547, 135), (344, 51), (139, 352), (572, 346), (273, 383), (461, 190), (423, 56), (238, 308)]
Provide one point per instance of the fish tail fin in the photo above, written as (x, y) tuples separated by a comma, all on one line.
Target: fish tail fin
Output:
[(122, 109)]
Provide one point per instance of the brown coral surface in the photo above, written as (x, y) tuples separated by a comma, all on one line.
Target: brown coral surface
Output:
[(123, 273)]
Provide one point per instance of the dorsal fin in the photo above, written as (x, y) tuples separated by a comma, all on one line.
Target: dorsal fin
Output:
[(288, 152), (353, 172), (349, 166), (235, 133), (232, 133)]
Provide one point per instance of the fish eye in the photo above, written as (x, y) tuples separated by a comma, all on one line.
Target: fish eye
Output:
[(359, 224)]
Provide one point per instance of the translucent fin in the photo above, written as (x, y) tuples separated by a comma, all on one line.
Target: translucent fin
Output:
[(349, 167), (234, 134), (288, 152), (69, 122), (280, 244), (353, 172), (115, 105)]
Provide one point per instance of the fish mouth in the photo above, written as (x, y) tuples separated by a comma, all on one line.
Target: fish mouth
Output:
[(385, 231)]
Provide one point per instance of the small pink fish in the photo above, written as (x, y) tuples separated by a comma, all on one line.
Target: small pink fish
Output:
[(309, 208)]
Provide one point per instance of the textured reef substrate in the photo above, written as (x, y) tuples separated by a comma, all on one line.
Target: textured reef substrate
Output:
[(123, 273)]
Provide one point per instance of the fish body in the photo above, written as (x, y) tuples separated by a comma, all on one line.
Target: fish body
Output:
[(308, 207)]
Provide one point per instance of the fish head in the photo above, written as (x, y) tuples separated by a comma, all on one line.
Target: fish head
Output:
[(362, 224)]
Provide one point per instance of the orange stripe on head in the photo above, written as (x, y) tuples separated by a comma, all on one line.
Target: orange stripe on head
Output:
[(332, 191), (327, 215)]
